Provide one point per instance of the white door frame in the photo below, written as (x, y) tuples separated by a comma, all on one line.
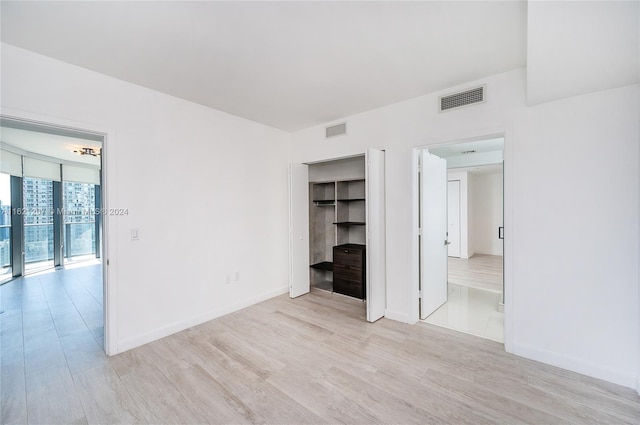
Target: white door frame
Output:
[(509, 287), (376, 255), (299, 283), (458, 219), (109, 286)]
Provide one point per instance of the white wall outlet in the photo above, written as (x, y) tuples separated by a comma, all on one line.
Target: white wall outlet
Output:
[(228, 279), (236, 276), (135, 234)]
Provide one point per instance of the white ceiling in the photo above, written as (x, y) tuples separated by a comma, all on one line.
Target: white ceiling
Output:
[(465, 148), (289, 65), (471, 156), (481, 169), (51, 145)]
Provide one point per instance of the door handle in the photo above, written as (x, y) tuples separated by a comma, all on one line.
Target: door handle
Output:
[(446, 242), (500, 232)]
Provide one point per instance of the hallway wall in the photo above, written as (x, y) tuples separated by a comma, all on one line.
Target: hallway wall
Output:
[(486, 197)]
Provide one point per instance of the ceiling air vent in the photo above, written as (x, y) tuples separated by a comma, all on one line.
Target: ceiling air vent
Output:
[(336, 130), (463, 98)]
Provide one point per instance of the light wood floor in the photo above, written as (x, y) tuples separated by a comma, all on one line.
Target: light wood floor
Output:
[(480, 271), (309, 360)]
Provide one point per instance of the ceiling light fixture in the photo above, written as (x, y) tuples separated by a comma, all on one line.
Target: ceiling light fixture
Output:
[(87, 151)]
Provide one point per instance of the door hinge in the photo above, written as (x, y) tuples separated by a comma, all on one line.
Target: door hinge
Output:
[(420, 293)]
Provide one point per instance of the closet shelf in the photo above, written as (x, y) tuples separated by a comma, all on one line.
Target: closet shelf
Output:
[(325, 265), (351, 200), (350, 223), (324, 202)]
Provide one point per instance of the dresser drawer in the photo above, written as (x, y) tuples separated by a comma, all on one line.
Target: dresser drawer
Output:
[(347, 257), (347, 272), (348, 287)]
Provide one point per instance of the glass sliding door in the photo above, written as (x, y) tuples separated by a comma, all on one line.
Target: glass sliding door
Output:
[(38, 215), (5, 227), (79, 221)]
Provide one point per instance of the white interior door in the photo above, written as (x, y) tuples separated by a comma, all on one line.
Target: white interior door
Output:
[(433, 240), (376, 286), (298, 230), (453, 214)]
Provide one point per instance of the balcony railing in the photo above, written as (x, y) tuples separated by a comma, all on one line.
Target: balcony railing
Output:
[(5, 246), (38, 242), (79, 239)]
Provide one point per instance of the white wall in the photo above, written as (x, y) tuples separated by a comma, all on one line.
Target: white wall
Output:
[(486, 197), (463, 177), (578, 47), (571, 225), (576, 209), (207, 190)]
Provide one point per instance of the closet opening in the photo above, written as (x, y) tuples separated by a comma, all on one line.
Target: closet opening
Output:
[(337, 240), (337, 243)]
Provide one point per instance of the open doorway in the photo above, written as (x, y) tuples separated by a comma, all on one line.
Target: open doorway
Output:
[(51, 237), (468, 194)]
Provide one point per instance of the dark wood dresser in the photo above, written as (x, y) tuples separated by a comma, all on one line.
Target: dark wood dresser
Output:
[(349, 277)]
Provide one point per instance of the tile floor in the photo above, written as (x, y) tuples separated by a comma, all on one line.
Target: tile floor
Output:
[(50, 331), (470, 310)]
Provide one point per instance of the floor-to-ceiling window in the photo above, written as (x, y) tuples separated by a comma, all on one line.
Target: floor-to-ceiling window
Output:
[(5, 227), (79, 221), (38, 215)]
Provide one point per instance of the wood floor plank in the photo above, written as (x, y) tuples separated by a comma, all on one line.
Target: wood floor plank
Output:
[(129, 361), (599, 400), (563, 407), (385, 407), (209, 398), (503, 409), (402, 383), (256, 399), (320, 397), (104, 398), (157, 398)]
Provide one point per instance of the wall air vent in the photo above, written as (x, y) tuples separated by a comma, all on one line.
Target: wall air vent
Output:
[(336, 130), (463, 98)]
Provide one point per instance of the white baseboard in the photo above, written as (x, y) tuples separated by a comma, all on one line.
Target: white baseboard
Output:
[(397, 316), (616, 376), (181, 325)]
